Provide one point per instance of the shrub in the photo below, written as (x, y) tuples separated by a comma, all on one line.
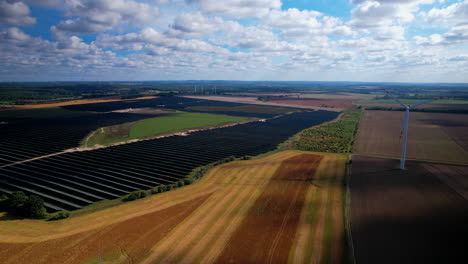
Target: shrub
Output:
[(162, 188), (188, 181), (22, 205), (34, 207), (180, 183), (60, 215), (155, 190), (135, 195)]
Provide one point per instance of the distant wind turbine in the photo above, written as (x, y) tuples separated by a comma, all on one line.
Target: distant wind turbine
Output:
[(405, 125)]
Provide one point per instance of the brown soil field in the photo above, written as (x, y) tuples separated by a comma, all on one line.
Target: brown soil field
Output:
[(127, 241), (426, 106), (338, 95), (74, 102), (195, 224), (431, 137), (418, 215), (332, 103), (267, 232), (253, 100)]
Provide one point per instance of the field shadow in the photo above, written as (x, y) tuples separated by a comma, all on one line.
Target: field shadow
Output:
[(5, 216), (408, 216)]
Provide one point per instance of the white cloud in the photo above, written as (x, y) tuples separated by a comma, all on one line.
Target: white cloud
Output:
[(195, 25), (15, 13), (102, 15), (237, 8), (156, 43), (457, 13)]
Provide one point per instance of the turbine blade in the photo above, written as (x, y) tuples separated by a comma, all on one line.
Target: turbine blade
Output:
[(396, 99), (425, 102)]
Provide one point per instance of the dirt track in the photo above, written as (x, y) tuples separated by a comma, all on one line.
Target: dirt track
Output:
[(412, 216)]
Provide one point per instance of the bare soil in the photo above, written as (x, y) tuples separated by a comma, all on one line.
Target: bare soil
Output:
[(331, 103), (267, 232), (409, 216), (431, 137)]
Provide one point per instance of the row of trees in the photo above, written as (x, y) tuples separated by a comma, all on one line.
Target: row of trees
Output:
[(18, 203), (32, 206)]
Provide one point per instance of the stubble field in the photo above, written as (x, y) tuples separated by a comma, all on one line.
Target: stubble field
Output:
[(299, 192)]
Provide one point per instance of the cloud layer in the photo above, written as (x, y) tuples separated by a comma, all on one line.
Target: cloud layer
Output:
[(380, 40)]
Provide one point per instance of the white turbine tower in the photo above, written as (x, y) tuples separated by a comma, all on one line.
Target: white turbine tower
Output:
[(405, 125)]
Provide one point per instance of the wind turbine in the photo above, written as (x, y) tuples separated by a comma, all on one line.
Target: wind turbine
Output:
[(405, 125)]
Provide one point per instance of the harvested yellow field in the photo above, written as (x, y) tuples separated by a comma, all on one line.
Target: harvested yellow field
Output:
[(74, 102), (293, 199)]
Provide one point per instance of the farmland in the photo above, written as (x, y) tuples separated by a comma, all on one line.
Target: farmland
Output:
[(155, 126), (76, 179), (204, 222), (177, 121), (432, 136), (245, 108), (331, 103), (414, 213), (411, 216)]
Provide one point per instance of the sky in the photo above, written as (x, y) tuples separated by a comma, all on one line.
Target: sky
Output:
[(296, 40)]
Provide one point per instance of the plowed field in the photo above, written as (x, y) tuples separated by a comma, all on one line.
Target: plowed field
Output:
[(431, 137), (291, 200), (414, 216), (332, 103)]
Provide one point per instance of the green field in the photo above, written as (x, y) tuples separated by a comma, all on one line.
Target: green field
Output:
[(413, 101), (155, 126), (178, 121)]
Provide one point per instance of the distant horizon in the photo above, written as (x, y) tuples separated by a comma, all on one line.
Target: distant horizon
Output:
[(240, 81)]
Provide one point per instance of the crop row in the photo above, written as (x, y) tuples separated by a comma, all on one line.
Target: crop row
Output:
[(76, 179)]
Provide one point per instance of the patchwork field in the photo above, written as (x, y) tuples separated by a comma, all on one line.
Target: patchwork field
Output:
[(73, 102), (431, 137), (211, 221), (410, 216), (244, 108), (331, 103)]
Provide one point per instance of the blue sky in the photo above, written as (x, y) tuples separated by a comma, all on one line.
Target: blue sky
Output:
[(316, 40)]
